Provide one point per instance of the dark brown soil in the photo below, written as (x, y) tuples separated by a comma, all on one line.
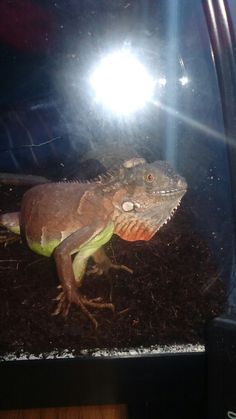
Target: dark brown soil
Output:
[(166, 300)]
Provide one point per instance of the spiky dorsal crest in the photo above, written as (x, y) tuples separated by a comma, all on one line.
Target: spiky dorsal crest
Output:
[(117, 178), (114, 178)]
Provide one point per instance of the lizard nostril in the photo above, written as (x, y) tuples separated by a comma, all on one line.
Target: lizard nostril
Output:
[(181, 184)]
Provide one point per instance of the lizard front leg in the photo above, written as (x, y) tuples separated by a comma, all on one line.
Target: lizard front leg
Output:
[(103, 263), (83, 242)]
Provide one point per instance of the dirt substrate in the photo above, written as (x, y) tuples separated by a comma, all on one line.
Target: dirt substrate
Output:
[(165, 301)]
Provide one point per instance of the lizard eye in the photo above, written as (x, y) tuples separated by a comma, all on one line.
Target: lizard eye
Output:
[(149, 178)]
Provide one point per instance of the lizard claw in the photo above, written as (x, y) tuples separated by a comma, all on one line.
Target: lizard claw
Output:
[(103, 264), (124, 267), (100, 269), (95, 270), (64, 304), (7, 238)]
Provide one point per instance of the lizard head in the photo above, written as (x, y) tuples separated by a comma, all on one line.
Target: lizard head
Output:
[(145, 196)]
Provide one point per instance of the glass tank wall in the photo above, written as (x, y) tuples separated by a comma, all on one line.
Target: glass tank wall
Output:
[(88, 86)]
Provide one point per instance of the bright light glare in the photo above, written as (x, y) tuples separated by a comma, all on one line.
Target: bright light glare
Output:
[(121, 83), (162, 82), (184, 80)]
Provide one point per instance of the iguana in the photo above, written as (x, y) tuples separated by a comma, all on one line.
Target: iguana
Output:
[(73, 220)]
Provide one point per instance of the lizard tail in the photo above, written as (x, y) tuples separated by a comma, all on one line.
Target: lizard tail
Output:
[(21, 179), (11, 220)]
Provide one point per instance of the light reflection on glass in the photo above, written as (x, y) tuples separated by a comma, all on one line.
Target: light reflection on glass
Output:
[(162, 82), (121, 83), (184, 80)]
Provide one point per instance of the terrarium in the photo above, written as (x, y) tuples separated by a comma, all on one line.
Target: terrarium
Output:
[(116, 161)]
